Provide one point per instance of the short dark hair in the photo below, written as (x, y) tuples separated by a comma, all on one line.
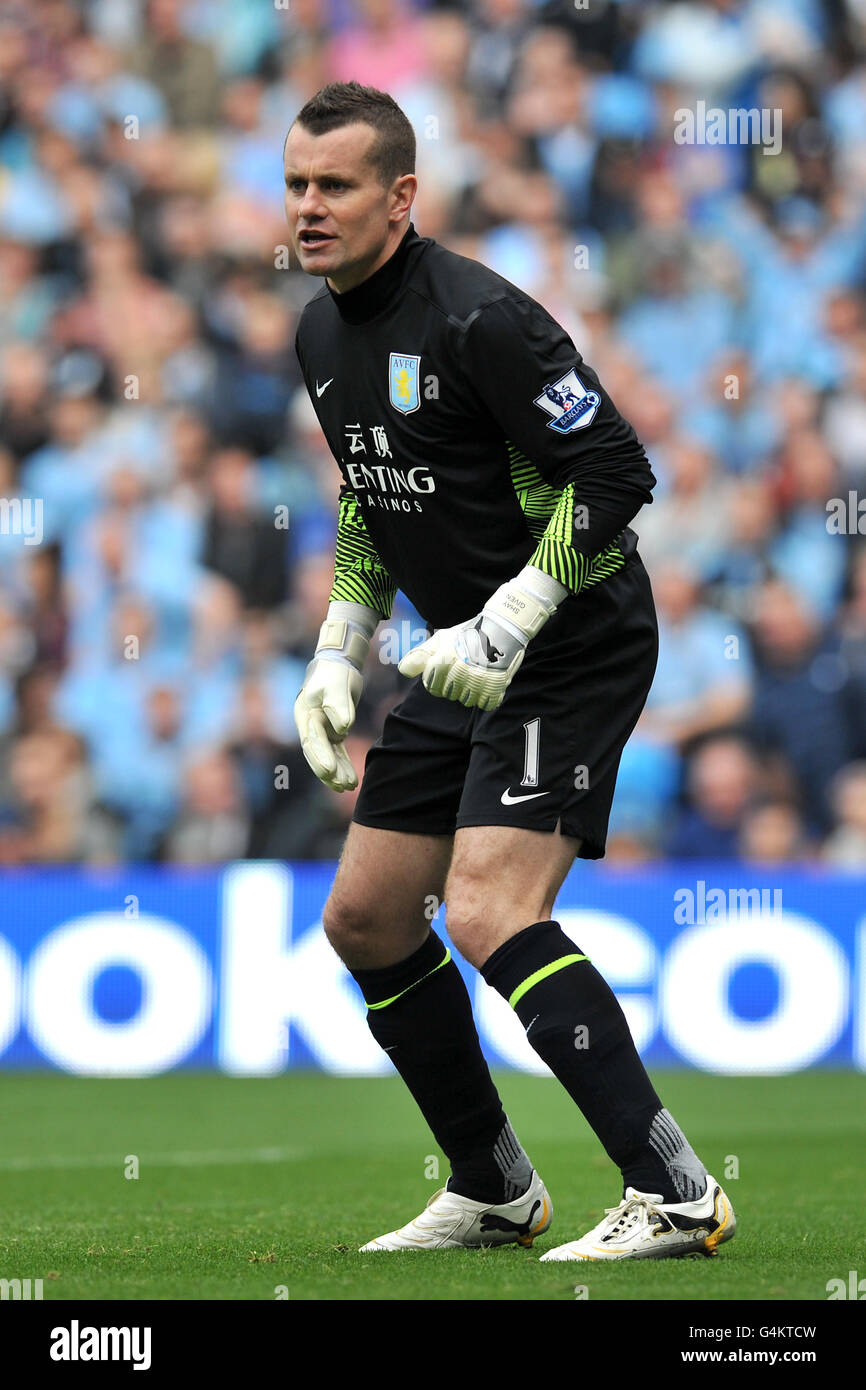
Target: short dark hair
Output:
[(343, 103)]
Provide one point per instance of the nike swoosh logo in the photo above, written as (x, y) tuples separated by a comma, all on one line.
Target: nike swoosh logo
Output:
[(508, 800), (320, 390)]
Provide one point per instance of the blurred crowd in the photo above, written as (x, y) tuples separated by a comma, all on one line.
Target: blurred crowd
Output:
[(157, 617)]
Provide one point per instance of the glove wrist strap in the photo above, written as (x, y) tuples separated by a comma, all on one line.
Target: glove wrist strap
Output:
[(346, 633), (340, 640), (519, 609), (541, 585)]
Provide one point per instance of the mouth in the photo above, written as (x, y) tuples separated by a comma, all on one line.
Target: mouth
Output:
[(308, 236)]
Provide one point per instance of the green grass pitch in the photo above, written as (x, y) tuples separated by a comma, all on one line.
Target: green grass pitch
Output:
[(245, 1186)]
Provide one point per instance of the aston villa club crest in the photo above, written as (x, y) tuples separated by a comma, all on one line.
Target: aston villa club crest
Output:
[(403, 373), (569, 402)]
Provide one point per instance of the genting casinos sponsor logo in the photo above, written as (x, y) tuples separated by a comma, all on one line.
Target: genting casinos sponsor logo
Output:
[(238, 975)]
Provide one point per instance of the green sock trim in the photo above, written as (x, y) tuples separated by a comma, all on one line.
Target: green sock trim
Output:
[(542, 974), (385, 1002)]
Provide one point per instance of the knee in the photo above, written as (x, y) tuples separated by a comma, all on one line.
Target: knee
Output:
[(348, 926), (480, 918), (471, 918)]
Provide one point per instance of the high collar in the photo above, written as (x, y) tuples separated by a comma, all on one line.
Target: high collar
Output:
[(368, 299)]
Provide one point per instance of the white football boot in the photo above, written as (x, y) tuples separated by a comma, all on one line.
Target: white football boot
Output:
[(451, 1222), (643, 1227)]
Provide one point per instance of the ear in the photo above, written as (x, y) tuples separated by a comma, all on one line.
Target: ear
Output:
[(403, 195)]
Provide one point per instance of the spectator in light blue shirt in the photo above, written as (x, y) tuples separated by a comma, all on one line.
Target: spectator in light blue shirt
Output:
[(704, 674)]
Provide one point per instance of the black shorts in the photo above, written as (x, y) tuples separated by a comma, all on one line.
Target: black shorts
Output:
[(551, 751)]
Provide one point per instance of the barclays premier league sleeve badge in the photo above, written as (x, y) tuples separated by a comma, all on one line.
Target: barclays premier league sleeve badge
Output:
[(570, 404)]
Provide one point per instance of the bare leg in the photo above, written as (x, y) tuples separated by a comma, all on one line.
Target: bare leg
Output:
[(501, 880), (382, 901)]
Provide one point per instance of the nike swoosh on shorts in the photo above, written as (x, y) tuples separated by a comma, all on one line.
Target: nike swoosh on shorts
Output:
[(508, 800)]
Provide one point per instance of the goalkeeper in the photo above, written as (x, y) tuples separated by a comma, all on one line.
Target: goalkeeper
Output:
[(486, 473)]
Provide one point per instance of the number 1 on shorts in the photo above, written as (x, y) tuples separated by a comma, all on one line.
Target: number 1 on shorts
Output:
[(530, 759)]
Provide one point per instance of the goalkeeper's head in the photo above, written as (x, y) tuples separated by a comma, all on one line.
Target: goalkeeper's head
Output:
[(349, 163)]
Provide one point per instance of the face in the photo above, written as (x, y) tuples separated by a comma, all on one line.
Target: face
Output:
[(343, 223)]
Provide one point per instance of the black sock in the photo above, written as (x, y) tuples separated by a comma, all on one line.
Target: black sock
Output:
[(419, 1012), (574, 1021)]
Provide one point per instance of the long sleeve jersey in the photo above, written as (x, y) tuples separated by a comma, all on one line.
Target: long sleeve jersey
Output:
[(471, 436)]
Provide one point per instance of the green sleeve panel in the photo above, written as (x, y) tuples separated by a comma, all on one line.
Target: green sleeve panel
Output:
[(359, 575), (557, 555), (551, 516)]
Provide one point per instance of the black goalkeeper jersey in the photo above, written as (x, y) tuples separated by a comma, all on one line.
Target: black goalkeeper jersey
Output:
[(471, 436)]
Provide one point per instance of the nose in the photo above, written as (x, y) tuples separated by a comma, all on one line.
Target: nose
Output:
[(311, 203)]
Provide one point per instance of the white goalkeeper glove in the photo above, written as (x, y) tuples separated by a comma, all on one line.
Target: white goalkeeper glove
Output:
[(475, 662), (325, 707)]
